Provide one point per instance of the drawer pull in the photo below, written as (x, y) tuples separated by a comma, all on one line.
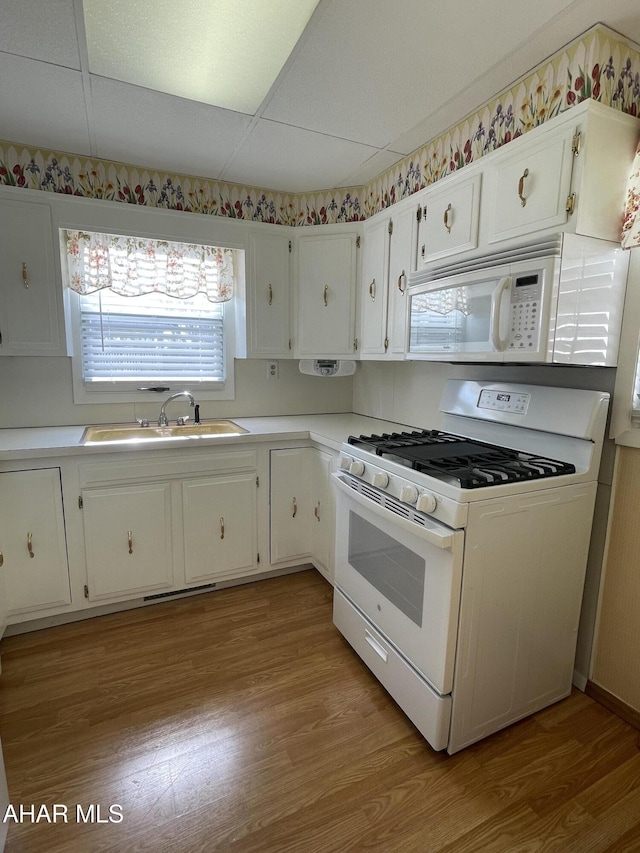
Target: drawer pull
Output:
[(316, 511), (30, 545), (1, 559), (375, 645), (523, 200), (325, 295), (130, 540), (294, 510), (25, 276), (222, 528), (270, 296)]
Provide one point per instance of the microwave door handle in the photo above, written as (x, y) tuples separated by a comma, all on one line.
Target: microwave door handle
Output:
[(496, 305)]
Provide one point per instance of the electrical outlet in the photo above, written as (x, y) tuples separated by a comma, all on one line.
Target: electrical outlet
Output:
[(272, 370)]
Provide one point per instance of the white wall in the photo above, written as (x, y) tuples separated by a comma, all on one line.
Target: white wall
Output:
[(39, 392)]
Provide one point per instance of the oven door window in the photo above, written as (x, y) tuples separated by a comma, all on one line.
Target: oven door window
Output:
[(393, 569)]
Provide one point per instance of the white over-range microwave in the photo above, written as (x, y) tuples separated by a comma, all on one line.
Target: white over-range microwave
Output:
[(554, 301)]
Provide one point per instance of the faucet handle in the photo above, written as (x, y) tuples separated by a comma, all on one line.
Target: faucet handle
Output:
[(182, 420), (143, 422)]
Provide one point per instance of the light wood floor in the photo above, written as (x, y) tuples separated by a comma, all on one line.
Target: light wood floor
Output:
[(242, 721)]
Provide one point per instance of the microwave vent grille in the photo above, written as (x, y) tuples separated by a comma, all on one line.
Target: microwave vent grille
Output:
[(550, 246)]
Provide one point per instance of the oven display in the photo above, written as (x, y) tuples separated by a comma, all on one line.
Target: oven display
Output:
[(502, 401)]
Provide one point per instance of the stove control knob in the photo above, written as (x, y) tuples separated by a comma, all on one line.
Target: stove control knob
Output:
[(344, 462), (380, 480), (408, 494), (356, 468), (426, 502)]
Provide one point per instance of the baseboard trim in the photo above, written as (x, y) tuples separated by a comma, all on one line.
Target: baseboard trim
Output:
[(619, 708)]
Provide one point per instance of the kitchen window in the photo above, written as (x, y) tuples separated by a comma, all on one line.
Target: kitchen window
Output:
[(148, 314)]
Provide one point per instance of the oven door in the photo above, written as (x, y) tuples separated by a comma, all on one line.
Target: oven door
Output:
[(404, 577)]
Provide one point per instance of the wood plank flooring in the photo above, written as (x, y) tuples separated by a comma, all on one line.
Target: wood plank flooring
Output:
[(242, 721)]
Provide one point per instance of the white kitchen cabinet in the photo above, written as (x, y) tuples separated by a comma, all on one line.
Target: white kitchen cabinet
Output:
[(374, 282), (220, 526), (388, 257), (32, 540), (326, 295), (566, 175), (30, 310), (290, 505), (302, 508), (450, 216), (268, 289), (128, 540)]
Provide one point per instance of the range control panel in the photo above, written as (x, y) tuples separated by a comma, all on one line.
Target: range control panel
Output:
[(503, 401)]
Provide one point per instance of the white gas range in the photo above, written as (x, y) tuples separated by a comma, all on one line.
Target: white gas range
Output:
[(461, 553)]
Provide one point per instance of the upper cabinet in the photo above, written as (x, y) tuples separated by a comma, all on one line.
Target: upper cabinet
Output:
[(268, 286), (389, 243), (566, 175), (450, 216), (31, 320), (326, 294)]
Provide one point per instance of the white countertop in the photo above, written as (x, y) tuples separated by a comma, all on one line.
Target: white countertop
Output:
[(328, 430)]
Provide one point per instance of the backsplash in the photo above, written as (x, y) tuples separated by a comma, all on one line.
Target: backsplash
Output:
[(599, 64)]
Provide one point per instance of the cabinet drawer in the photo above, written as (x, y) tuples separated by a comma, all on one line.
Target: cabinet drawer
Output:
[(430, 712)]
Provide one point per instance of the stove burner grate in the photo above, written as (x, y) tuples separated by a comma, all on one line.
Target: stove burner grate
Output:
[(463, 461)]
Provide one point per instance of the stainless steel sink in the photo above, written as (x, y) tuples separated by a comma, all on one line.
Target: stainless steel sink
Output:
[(129, 434)]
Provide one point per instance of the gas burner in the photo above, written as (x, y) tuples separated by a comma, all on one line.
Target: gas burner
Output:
[(458, 460)]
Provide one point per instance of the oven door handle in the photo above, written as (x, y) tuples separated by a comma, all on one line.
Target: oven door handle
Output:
[(439, 536)]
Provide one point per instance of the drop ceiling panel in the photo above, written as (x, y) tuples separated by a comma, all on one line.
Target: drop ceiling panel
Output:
[(369, 68), (45, 31), (294, 160), (160, 131), (42, 105)]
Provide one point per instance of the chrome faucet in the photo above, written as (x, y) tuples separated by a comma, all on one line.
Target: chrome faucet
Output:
[(163, 420)]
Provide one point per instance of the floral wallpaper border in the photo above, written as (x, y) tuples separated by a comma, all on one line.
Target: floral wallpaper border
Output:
[(599, 64)]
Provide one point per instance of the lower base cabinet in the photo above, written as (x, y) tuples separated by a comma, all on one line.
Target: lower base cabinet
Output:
[(219, 522), (32, 540), (128, 540), (302, 519)]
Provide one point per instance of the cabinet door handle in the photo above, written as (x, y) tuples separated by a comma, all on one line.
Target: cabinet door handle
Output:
[(448, 219), (294, 509), (316, 511), (30, 545), (1, 559), (25, 275), (325, 295), (524, 175), (372, 290), (402, 282), (270, 294), (222, 527), (130, 540)]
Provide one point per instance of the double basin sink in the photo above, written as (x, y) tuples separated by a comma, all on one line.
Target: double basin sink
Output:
[(129, 433)]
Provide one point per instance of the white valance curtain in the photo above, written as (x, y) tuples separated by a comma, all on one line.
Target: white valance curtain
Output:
[(441, 301), (631, 223), (132, 266)]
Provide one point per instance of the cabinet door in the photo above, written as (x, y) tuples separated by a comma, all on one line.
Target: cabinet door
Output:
[(527, 190), (128, 539), (32, 540), (29, 318), (290, 511), (326, 295), (450, 218), (323, 524), (373, 288), (402, 261), (268, 296), (220, 529)]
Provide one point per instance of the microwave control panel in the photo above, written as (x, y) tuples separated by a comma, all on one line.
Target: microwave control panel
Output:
[(524, 319)]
